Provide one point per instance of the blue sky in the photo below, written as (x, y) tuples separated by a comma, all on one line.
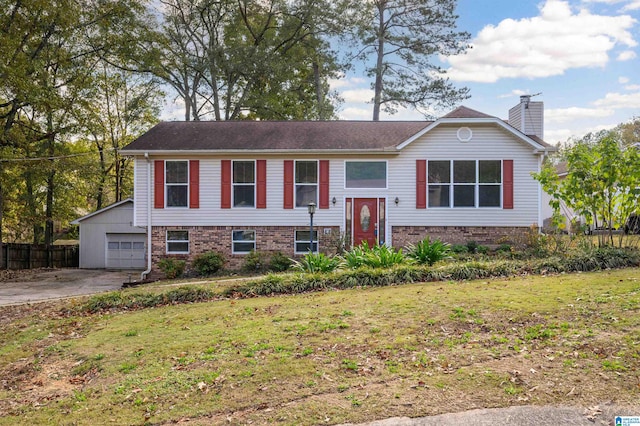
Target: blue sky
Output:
[(582, 55)]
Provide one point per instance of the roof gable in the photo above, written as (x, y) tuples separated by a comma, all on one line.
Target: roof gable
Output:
[(464, 112), (103, 210)]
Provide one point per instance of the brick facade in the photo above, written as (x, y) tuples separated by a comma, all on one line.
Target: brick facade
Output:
[(218, 238), (485, 235)]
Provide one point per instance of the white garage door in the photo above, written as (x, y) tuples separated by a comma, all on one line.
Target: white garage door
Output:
[(126, 251)]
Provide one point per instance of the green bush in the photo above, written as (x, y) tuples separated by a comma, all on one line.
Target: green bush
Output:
[(279, 262), (255, 261), (459, 249), (208, 263), (171, 268), (472, 247), (426, 252)]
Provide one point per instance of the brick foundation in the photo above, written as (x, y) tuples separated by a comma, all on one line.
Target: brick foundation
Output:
[(269, 239), (485, 235)]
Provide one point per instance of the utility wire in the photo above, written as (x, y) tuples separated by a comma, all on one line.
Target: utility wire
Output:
[(59, 157)]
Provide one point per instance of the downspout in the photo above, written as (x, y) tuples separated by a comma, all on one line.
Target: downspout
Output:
[(540, 221), (146, 272)]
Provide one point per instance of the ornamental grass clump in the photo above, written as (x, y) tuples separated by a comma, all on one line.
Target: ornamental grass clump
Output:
[(426, 252), (377, 256), (316, 262)]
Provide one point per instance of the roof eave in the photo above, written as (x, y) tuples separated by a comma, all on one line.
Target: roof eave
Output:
[(373, 151)]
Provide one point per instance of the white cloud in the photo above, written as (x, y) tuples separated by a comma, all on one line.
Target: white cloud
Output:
[(634, 5), (353, 113), (619, 100), (357, 95), (623, 80), (513, 93), (542, 46), (632, 87), (627, 55), (563, 115)]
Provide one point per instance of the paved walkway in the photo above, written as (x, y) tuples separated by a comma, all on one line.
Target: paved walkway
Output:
[(520, 416)]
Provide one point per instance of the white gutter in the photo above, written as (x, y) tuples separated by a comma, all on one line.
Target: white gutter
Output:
[(146, 272)]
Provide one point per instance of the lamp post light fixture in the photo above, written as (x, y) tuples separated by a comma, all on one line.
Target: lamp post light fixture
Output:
[(312, 209)]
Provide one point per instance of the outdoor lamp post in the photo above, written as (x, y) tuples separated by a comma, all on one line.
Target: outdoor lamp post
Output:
[(312, 209)]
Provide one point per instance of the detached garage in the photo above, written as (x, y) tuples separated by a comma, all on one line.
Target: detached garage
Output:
[(108, 239)]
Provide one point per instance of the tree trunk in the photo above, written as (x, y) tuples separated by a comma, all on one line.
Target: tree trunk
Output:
[(319, 92), (377, 94)]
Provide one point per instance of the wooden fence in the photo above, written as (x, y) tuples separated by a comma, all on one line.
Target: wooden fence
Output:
[(29, 256)]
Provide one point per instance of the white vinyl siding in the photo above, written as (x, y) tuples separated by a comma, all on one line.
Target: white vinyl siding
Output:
[(489, 142)]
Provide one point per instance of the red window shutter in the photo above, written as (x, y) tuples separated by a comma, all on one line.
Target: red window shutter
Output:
[(421, 184), (225, 182), (507, 184), (324, 185), (261, 180), (288, 184), (194, 184), (158, 184)]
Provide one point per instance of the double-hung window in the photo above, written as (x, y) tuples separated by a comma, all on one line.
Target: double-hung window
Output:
[(243, 241), (178, 242), (177, 183), (306, 176), (464, 183), (244, 184), (303, 242)]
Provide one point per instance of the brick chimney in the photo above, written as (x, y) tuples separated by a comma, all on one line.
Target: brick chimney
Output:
[(528, 116)]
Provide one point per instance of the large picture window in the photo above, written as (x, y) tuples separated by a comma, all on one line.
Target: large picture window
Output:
[(177, 242), (306, 176), (244, 183), (177, 183), (366, 174), (464, 183), (243, 241), (302, 241)]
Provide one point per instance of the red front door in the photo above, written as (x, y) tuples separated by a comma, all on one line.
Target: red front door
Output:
[(365, 221)]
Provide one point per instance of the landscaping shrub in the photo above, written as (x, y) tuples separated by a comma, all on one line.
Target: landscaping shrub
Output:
[(472, 246), (208, 263), (378, 256), (279, 262), (426, 252), (119, 301), (383, 256), (171, 268), (316, 262), (367, 276), (255, 261), (459, 249), (354, 258)]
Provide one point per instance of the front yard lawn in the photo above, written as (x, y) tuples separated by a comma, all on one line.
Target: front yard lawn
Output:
[(328, 357)]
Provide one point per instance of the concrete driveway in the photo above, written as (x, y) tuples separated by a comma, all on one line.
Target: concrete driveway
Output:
[(27, 286)]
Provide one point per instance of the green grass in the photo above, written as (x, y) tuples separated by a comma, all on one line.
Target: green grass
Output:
[(349, 355)]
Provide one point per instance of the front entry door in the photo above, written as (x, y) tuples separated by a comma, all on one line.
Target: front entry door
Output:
[(365, 221)]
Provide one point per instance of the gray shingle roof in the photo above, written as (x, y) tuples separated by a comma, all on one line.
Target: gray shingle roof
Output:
[(276, 135)]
